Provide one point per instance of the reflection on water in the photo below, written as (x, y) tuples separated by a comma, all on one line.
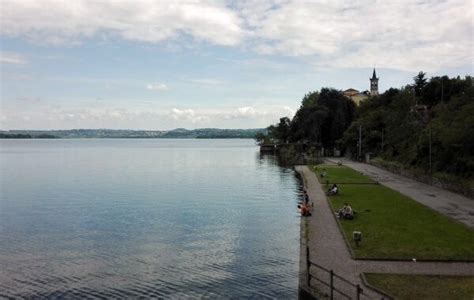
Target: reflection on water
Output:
[(146, 218)]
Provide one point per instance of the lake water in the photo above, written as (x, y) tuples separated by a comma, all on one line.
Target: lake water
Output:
[(125, 218)]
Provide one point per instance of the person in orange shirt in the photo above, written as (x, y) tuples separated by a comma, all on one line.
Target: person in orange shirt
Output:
[(305, 210)]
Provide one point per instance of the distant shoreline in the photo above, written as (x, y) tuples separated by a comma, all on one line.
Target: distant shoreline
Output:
[(204, 133), (118, 138)]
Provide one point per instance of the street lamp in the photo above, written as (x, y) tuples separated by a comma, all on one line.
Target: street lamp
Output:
[(360, 142), (426, 117)]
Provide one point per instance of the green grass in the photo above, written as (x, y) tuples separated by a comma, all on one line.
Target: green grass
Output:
[(431, 287), (396, 227), (340, 174)]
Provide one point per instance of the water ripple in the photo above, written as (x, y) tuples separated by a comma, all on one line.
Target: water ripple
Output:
[(110, 219)]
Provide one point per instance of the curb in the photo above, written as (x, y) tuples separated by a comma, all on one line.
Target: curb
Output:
[(346, 240), (380, 291), (305, 292)]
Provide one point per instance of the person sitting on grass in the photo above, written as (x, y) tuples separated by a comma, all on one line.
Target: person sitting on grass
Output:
[(346, 212), (305, 210), (333, 190)]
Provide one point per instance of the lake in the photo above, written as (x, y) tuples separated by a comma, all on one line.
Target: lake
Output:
[(125, 218)]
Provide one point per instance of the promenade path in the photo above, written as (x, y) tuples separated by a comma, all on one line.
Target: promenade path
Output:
[(448, 203), (327, 248)]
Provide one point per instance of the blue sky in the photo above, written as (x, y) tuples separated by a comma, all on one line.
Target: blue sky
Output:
[(168, 64)]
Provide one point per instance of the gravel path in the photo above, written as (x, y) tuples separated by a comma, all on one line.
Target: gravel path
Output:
[(327, 248)]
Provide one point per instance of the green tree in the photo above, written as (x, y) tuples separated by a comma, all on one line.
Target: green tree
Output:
[(448, 116), (283, 130), (420, 82)]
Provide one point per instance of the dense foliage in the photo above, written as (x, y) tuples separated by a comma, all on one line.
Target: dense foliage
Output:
[(321, 119), (399, 124)]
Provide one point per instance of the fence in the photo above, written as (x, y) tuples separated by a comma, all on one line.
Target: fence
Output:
[(344, 290)]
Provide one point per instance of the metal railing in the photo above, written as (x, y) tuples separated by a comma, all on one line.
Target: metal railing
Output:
[(330, 281)]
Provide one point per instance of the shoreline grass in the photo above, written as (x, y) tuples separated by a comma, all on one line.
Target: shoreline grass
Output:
[(395, 226), (405, 286)]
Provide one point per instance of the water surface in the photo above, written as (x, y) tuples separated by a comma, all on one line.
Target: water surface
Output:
[(146, 218)]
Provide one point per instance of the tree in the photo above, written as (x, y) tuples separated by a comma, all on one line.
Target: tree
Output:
[(283, 130), (322, 118), (406, 133), (420, 82)]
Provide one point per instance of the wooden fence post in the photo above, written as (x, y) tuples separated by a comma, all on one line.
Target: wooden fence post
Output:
[(331, 283), (308, 265)]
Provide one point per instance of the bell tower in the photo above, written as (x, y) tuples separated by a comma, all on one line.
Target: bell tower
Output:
[(374, 85)]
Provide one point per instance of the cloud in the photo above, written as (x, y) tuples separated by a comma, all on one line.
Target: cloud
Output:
[(157, 87), (254, 116), (247, 111), (405, 35), (32, 113), (288, 111), (68, 22), (12, 58), (270, 113), (188, 115)]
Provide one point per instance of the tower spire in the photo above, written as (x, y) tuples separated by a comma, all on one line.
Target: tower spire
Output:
[(374, 84), (374, 76)]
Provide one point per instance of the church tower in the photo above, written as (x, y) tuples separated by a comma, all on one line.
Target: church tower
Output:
[(374, 85)]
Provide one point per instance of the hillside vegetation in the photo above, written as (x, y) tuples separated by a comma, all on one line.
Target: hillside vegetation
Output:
[(397, 126)]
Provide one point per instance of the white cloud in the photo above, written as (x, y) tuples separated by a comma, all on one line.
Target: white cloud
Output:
[(261, 112), (12, 58), (406, 35), (180, 114), (247, 111), (59, 22), (157, 87), (46, 115), (288, 111), (188, 115)]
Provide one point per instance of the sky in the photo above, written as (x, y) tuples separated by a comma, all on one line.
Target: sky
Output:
[(159, 65)]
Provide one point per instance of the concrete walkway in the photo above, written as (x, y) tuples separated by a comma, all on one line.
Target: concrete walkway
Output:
[(448, 203), (327, 248)]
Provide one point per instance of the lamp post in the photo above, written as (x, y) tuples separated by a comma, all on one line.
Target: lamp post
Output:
[(429, 138), (426, 118), (383, 130), (360, 142)]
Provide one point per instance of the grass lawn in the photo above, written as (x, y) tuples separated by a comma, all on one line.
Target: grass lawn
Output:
[(340, 174), (432, 287), (395, 226)]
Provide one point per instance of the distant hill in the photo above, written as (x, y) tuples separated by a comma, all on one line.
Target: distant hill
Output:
[(208, 133)]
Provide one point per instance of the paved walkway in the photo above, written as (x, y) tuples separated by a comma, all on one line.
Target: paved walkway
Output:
[(448, 203), (327, 248)]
